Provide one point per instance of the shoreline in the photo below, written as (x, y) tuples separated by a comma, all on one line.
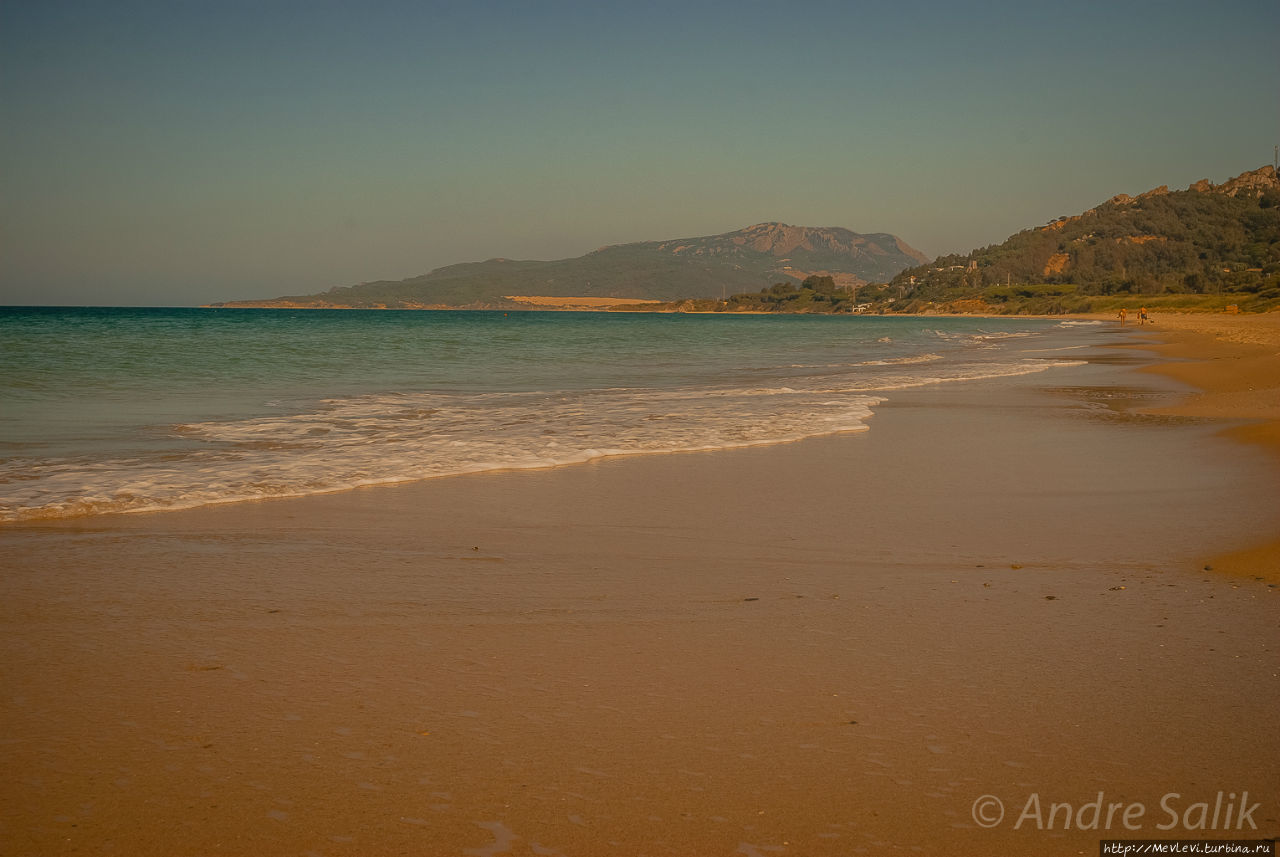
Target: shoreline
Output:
[(269, 408), (1232, 362), (633, 306), (812, 648)]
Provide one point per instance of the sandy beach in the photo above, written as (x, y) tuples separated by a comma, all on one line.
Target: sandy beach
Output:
[(857, 644), (1233, 362)]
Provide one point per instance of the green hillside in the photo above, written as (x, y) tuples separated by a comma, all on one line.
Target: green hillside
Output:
[(1209, 245)]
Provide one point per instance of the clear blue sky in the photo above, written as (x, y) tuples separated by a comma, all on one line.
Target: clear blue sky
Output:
[(180, 152)]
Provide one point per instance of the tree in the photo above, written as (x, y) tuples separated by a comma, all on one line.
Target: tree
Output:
[(821, 285)]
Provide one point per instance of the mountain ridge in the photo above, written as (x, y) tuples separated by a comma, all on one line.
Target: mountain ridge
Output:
[(703, 266)]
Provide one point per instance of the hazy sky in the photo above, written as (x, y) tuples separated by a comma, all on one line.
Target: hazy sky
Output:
[(180, 152)]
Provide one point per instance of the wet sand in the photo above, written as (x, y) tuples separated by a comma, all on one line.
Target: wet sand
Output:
[(830, 647), (1233, 362)]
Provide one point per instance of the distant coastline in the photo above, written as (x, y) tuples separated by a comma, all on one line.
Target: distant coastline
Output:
[(1209, 247), (579, 303), (620, 305)]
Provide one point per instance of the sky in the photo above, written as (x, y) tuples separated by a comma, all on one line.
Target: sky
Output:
[(180, 152)]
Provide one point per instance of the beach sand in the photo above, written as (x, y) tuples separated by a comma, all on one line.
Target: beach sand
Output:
[(1234, 363), (576, 303), (830, 647)]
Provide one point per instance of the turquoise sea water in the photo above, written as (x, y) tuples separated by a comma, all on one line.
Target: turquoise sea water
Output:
[(120, 409)]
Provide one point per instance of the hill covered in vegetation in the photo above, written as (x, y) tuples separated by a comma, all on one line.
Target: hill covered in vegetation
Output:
[(815, 294), (1209, 245)]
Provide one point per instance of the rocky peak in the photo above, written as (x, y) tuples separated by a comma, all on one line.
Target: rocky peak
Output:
[(781, 239), (1125, 199), (1252, 183)]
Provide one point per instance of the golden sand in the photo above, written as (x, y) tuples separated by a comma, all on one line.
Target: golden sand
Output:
[(1233, 361), (581, 302)]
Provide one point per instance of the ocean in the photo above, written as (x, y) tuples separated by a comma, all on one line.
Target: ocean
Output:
[(122, 409)]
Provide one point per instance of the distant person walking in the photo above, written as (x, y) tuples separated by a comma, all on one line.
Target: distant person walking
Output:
[(1142, 315), (1124, 313)]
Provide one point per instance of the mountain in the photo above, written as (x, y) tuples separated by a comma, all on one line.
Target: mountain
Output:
[(746, 260), (1162, 247)]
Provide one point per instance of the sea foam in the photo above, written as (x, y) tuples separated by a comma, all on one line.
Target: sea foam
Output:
[(452, 394)]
